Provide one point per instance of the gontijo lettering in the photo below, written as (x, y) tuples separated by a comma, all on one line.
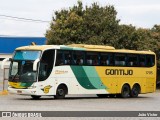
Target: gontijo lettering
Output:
[(118, 72)]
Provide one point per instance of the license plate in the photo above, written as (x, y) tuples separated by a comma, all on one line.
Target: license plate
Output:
[(19, 91)]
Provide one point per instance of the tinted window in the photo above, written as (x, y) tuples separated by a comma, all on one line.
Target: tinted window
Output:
[(59, 58), (120, 59), (67, 57), (105, 59), (78, 58), (142, 60), (150, 60), (132, 60), (92, 58), (75, 57), (46, 64)]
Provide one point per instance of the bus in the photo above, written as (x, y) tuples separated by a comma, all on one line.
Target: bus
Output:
[(60, 70)]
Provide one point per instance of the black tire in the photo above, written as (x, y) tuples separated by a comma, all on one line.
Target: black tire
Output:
[(135, 91), (125, 92), (102, 95), (35, 97), (61, 92)]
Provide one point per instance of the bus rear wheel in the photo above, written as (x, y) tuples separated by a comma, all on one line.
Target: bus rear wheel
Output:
[(35, 97), (61, 92), (125, 92), (135, 91)]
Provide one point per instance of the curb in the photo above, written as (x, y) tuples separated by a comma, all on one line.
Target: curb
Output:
[(4, 92)]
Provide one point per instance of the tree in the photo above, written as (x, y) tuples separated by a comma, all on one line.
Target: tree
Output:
[(99, 25), (89, 25), (156, 37), (126, 37)]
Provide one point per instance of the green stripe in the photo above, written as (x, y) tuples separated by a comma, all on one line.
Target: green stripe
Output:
[(82, 77), (28, 84), (94, 77), (87, 77)]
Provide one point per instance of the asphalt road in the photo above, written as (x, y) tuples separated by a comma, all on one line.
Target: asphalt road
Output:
[(145, 102)]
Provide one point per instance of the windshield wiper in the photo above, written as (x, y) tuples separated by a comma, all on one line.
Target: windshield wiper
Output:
[(12, 79)]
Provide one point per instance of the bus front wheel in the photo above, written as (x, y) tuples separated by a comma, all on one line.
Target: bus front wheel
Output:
[(61, 92), (125, 92)]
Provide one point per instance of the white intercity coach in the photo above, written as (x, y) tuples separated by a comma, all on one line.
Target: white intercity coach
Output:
[(58, 70)]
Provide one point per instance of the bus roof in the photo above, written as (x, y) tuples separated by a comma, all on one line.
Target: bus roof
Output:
[(38, 47), (93, 46), (83, 47)]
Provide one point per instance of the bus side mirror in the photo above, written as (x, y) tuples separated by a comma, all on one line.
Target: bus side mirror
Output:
[(10, 59), (35, 64), (3, 62)]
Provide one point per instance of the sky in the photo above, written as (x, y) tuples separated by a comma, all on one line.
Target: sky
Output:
[(139, 13)]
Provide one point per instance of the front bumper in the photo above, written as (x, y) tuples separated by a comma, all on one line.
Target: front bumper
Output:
[(22, 91)]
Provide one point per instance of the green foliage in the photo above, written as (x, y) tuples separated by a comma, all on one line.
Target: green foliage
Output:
[(89, 25), (99, 25), (126, 37)]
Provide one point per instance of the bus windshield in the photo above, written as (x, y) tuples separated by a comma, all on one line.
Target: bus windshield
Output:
[(21, 69), (26, 55)]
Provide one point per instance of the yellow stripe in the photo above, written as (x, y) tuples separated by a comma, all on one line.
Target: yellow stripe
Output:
[(16, 85), (110, 83)]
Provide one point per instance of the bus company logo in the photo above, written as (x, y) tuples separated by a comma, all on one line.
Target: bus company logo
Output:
[(46, 89), (61, 72), (118, 72)]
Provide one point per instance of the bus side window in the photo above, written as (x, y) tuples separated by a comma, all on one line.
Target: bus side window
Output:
[(142, 60), (120, 59), (59, 58), (46, 64), (132, 60), (67, 57), (78, 57), (88, 58), (92, 58), (89, 61), (95, 61), (104, 59), (150, 60), (79, 61), (111, 60)]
